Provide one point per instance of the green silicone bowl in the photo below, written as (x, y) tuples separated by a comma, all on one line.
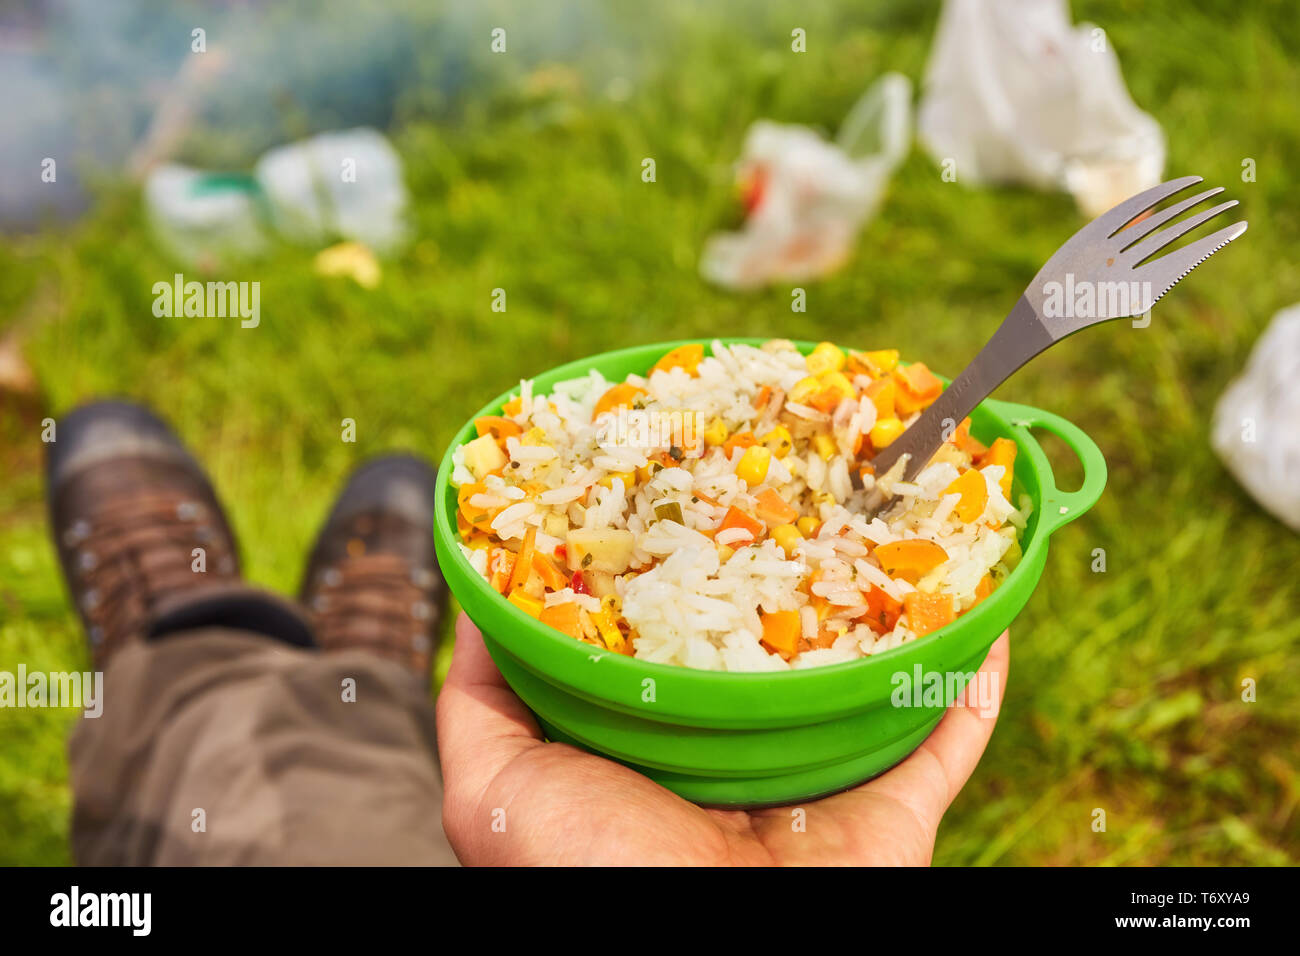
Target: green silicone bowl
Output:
[(746, 740)]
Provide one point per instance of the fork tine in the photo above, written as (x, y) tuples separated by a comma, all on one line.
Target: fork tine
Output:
[(1147, 248), (1135, 232), (1134, 206), (1164, 273)]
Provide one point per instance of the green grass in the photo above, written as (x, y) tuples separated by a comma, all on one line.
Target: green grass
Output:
[(1125, 688)]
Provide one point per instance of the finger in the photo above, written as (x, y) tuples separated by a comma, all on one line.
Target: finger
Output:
[(482, 725), (929, 780)]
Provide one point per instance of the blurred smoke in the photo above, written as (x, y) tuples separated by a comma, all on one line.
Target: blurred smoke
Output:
[(107, 88)]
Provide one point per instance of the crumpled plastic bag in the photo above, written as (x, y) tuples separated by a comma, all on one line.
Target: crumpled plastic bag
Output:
[(807, 198), (340, 185), (1254, 429), (1014, 94)]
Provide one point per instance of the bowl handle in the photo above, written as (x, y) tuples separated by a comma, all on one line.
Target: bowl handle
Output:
[(1061, 507)]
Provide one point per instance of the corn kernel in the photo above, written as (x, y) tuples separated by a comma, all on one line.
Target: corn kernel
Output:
[(826, 357), (608, 481), (885, 431), (716, 433), (779, 441), (805, 389), (786, 536), (884, 359), (824, 445), (753, 465), (725, 551), (808, 526), (839, 383), (526, 603)]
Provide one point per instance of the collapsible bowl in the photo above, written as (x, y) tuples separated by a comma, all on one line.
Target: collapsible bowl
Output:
[(744, 740)]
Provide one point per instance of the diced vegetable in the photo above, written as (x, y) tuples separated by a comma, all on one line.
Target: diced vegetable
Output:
[(1001, 452), (608, 630), (773, 509), (805, 389), (787, 538), (599, 549), (779, 441), (513, 407), (883, 611), (526, 603), (739, 440), (735, 518), (918, 387), (622, 395), (826, 357), (886, 431), (477, 518), (627, 477), (715, 434), (763, 397), (553, 579), (498, 427), (835, 388), (483, 456), (881, 392), (911, 558), (524, 560), (753, 465), (928, 612), (983, 589), (781, 632), (669, 511), (564, 618), (501, 566), (974, 495), (808, 526), (824, 445), (685, 357), (962, 438)]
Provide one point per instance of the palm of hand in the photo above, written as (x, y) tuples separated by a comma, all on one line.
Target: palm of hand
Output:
[(513, 799)]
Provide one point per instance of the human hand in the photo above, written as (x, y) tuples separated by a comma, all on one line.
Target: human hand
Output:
[(564, 806)]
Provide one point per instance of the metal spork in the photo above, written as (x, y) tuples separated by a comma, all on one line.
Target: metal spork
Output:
[(1103, 272)]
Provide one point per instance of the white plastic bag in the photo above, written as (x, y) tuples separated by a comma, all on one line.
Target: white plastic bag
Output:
[(1254, 428), (1014, 94), (807, 198), (344, 184)]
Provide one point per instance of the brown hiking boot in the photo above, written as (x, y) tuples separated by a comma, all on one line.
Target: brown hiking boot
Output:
[(373, 580), (135, 522)]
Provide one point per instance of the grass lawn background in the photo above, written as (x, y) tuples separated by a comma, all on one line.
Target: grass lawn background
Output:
[(1125, 689)]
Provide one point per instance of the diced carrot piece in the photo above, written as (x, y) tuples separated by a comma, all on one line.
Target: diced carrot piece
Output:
[(620, 396), (524, 562), (739, 440), (685, 357), (501, 566), (513, 407), (1001, 452), (480, 519), (928, 612), (911, 558), (564, 618), (962, 438), (781, 632), (918, 387), (974, 494), (883, 611), (983, 589), (498, 427), (882, 392), (772, 509), (735, 518), (761, 399), (553, 578)]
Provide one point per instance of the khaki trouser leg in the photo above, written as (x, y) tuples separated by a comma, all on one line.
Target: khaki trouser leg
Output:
[(257, 736)]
